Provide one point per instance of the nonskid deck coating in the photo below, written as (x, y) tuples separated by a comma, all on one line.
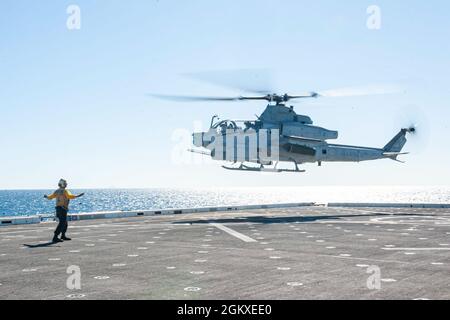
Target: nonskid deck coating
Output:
[(293, 253)]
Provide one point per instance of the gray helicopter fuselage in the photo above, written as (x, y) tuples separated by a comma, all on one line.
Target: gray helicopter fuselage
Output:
[(280, 134), (237, 146)]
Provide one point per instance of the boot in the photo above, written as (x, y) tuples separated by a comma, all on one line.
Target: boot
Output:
[(56, 239), (63, 237)]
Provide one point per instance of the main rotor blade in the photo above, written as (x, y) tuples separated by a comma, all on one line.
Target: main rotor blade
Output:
[(361, 91), (201, 98), (303, 96), (192, 98)]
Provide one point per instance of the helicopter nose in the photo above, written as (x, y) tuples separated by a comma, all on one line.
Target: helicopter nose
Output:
[(197, 139)]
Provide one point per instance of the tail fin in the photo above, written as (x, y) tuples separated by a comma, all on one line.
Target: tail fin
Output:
[(397, 143)]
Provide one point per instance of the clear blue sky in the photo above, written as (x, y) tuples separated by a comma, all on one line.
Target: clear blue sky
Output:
[(73, 104)]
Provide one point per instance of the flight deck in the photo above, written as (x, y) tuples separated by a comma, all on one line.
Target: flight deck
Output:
[(311, 252)]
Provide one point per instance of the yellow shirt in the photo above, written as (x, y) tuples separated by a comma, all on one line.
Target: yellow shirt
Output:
[(62, 196)]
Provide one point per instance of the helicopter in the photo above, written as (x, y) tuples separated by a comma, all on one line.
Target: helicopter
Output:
[(280, 135)]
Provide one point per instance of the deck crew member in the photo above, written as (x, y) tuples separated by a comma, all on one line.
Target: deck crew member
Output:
[(63, 197)]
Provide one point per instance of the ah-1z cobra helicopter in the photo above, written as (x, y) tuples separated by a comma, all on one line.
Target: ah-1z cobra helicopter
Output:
[(287, 137)]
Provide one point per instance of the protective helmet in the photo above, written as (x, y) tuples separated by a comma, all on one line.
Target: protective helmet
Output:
[(62, 183)]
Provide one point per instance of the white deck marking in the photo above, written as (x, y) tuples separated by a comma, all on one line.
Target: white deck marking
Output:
[(416, 249), (234, 233), (76, 296), (294, 284), (92, 239), (192, 289)]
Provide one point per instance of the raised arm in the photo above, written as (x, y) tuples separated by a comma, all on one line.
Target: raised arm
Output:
[(71, 196), (50, 197)]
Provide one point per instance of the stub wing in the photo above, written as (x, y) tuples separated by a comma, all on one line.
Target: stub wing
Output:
[(203, 152)]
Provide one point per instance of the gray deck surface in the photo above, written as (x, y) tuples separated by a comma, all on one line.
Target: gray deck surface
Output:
[(295, 253)]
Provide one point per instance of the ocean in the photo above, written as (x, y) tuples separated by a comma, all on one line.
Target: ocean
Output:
[(32, 202)]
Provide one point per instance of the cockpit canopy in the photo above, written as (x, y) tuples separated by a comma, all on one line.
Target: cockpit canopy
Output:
[(223, 125)]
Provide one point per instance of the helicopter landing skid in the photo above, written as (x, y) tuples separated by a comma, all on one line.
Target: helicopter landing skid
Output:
[(243, 167)]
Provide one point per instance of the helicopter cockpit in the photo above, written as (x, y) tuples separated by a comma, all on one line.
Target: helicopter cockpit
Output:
[(222, 126)]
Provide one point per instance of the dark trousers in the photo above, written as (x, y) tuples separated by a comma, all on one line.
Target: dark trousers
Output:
[(61, 214)]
